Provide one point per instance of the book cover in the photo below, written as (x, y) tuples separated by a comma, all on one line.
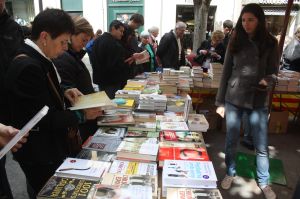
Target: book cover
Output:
[(143, 126), (176, 126), (181, 136), (82, 169), (101, 191), (99, 99), (102, 144), (129, 104), (188, 193), (133, 168), (181, 153), (192, 174), (88, 154), (111, 120), (123, 180), (61, 187), (148, 134), (139, 149), (110, 132)]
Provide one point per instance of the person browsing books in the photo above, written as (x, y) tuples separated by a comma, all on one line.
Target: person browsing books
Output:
[(250, 65), (110, 71), (32, 82), (72, 70)]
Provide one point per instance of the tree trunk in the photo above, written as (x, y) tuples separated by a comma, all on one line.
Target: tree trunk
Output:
[(200, 17)]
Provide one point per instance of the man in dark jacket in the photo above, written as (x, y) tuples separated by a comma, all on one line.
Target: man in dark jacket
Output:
[(170, 50), (110, 71), (11, 38)]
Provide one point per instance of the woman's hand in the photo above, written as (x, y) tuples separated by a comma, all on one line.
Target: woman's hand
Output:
[(72, 95), (92, 113), (221, 111)]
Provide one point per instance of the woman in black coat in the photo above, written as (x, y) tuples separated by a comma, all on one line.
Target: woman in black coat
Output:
[(32, 82), (73, 72), (212, 50)]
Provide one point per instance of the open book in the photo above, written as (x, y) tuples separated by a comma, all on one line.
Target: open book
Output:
[(144, 57), (24, 130), (99, 99)]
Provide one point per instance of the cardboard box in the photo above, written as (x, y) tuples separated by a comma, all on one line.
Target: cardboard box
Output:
[(278, 122)]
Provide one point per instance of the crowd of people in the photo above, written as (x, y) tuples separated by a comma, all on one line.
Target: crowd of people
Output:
[(47, 69)]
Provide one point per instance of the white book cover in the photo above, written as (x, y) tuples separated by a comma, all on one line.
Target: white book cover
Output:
[(198, 122), (148, 147), (188, 193), (175, 126), (82, 169), (193, 174), (102, 144), (133, 168)]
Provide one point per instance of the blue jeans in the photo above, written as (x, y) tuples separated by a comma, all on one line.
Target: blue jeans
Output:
[(258, 119), (246, 129)]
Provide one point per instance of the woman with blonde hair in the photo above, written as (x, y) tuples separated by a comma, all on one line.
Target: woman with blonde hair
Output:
[(73, 71)]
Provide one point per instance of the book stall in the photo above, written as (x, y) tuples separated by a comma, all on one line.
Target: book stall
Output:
[(149, 145)]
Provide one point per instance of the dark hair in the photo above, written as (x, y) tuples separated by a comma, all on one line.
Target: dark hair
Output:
[(116, 24), (53, 21), (137, 18), (228, 24), (262, 36)]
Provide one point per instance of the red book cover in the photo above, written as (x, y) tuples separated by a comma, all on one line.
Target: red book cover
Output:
[(179, 153)]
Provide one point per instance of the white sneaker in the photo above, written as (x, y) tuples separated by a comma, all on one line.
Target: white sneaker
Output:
[(227, 182)]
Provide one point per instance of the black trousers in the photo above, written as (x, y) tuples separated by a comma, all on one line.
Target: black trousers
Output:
[(5, 191), (37, 175)]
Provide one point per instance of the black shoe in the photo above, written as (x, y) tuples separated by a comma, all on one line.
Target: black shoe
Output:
[(247, 145)]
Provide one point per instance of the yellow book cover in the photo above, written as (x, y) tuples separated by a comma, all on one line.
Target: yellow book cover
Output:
[(128, 104)]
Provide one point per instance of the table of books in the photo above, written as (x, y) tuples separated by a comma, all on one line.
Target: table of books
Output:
[(150, 148)]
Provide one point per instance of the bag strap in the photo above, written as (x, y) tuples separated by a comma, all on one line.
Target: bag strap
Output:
[(52, 86)]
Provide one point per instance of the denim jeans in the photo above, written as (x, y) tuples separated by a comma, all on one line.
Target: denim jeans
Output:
[(258, 119), (246, 129)]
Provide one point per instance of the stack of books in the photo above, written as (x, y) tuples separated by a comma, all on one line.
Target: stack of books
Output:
[(168, 88), (197, 122), (217, 70), (181, 145), (152, 102), (128, 94), (175, 103), (197, 75), (188, 174)]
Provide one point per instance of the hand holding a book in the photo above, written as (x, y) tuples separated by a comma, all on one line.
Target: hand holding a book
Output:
[(72, 95), (92, 113), (221, 111), (7, 133)]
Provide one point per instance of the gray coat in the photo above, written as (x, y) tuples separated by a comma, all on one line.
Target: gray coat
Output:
[(241, 74)]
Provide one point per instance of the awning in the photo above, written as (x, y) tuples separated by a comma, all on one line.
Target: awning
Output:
[(278, 11)]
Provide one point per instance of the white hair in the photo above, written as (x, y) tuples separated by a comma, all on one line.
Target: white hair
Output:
[(153, 29), (180, 24)]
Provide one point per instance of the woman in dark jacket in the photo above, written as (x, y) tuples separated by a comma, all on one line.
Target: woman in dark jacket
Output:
[(32, 82), (212, 50), (251, 61), (73, 72)]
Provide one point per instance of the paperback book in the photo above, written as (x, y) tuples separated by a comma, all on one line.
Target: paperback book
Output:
[(146, 134), (145, 150), (133, 168), (102, 144), (61, 187), (142, 182), (188, 193), (99, 99), (88, 154), (192, 174), (143, 126), (112, 120), (110, 132), (181, 153), (181, 136), (82, 169), (175, 126)]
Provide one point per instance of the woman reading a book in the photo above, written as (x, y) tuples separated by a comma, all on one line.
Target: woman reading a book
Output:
[(251, 62), (32, 81), (72, 70)]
